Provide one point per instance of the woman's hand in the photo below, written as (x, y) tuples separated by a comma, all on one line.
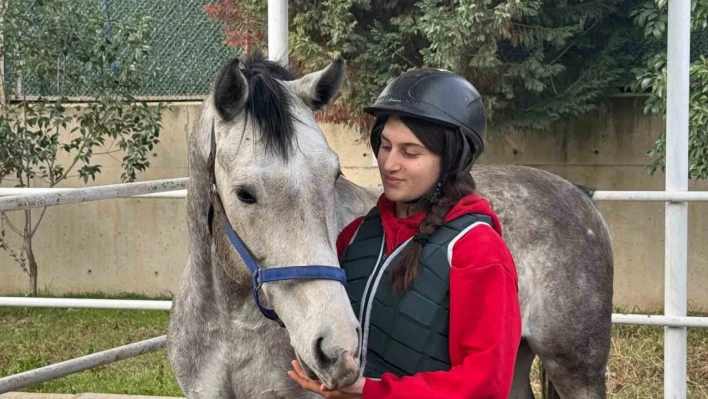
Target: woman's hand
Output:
[(351, 392)]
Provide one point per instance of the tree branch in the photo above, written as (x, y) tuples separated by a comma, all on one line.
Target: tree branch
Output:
[(51, 164), (116, 159), (112, 144), (107, 152), (9, 223), (28, 221), (83, 145), (568, 89), (571, 45), (34, 230)]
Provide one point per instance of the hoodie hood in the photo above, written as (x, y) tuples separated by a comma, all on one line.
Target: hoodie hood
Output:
[(398, 230)]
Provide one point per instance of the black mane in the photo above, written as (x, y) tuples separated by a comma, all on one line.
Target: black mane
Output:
[(268, 101)]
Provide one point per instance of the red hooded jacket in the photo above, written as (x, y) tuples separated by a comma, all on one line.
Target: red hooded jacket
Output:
[(485, 319)]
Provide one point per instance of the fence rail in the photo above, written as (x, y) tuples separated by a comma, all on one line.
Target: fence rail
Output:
[(70, 196), (15, 191), (127, 304), (130, 304), (24, 198), (16, 198), (62, 369)]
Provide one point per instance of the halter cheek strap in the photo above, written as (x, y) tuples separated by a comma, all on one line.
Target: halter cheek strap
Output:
[(262, 276)]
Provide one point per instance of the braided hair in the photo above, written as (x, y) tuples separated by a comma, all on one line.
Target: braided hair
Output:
[(445, 142)]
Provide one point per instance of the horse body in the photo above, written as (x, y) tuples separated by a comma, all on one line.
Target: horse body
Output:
[(563, 255), (221, 346)]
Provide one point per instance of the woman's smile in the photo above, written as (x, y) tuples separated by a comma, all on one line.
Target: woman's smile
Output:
[(393, 181)]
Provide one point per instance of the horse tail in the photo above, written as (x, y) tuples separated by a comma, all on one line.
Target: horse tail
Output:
[(548, 391)]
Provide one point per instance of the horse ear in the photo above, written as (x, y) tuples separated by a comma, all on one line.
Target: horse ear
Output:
[(230, 90), (317, 89)]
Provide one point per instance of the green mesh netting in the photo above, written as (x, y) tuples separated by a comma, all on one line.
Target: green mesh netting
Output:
[(186, 47)]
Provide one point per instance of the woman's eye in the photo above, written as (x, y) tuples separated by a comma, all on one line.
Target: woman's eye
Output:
[(245, 197), (410, 155)]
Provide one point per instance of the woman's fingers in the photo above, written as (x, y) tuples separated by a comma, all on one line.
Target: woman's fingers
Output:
[(299, 370), (305, 383), (300, 377)]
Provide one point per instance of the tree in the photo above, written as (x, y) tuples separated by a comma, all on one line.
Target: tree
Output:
[(652, 17), (534, 61), (60, 48)]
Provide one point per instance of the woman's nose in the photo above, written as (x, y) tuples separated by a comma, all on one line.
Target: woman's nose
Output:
[(391, 162)]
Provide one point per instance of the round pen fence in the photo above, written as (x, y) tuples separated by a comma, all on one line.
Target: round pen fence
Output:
[(675, 197), (23, 198)]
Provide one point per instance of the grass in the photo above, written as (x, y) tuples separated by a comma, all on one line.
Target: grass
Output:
[(636, 366), (36, 337), (637, 357)]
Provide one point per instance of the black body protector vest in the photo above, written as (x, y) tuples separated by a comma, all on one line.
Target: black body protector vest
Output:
[(403, 333)]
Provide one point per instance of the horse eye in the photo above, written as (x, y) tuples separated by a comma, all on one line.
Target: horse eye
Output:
[(245, 197)]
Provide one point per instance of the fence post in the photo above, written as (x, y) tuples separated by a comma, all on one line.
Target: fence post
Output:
[(676, 219), (278, 31)]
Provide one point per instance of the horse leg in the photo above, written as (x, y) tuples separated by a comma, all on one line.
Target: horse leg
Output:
[(521, 386), (548, 391), (572, 372)]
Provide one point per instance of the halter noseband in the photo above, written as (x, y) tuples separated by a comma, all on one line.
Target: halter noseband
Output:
[(262, 276)]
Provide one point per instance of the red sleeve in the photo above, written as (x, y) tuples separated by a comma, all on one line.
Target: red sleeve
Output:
[(485, 328), (345, 237)]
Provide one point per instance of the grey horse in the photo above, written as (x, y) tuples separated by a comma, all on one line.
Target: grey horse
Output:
[(283, 193)]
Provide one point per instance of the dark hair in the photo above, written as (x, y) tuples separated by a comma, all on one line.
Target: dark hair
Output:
[(445, 142), (268, 101)]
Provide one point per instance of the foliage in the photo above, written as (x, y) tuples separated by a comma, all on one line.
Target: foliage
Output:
[(652, 78), (535, 61), (245, 20), (56, 47)]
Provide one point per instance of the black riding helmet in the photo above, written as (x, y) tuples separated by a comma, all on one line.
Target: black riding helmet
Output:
[(439, 96)]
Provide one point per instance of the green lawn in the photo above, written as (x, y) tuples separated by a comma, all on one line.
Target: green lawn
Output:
[(31, 338), (36, 337)]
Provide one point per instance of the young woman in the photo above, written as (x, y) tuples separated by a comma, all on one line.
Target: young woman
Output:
[(429, 275)]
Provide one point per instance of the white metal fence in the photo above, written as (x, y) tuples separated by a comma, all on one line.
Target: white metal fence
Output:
[(676, 197), (23, 198)]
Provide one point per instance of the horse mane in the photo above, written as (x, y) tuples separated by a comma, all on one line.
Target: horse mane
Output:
[(268, 104)]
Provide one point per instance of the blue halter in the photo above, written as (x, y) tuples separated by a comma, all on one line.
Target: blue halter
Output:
[(262, 276)]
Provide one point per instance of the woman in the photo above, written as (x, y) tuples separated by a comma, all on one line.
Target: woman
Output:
[(429, 275)]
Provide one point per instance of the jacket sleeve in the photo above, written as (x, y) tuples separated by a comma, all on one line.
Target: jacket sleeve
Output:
[(345, 237), (485, 329)]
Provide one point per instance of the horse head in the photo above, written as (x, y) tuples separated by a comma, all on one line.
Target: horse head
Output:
[(274, 175)]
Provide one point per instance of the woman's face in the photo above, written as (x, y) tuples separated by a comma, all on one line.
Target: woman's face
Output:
[(408, 169)]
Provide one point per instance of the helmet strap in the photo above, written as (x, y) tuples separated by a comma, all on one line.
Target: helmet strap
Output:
[(434, 197)]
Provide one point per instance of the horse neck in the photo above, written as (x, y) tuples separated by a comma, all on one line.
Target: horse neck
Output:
[(208, 285), (352, 201)]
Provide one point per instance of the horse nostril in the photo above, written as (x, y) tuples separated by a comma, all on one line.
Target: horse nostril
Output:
[(320, 356)]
